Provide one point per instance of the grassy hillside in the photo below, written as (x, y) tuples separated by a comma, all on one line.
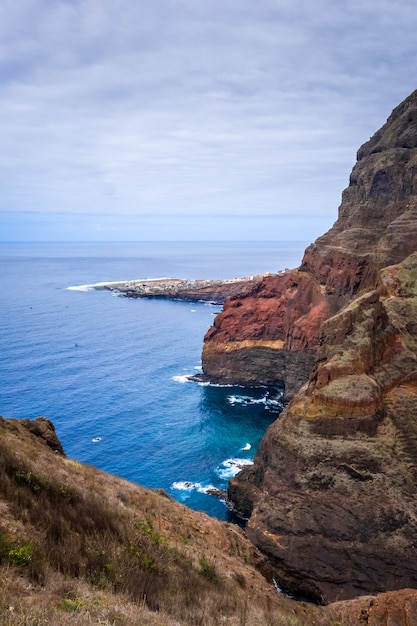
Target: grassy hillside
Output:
[(77, 544), (78, 547)]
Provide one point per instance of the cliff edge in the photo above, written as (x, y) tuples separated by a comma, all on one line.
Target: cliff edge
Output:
[(271, 334), (331, 495)]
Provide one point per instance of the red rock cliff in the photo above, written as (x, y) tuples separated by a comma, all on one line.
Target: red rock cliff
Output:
[(331, 496), (271, 334)]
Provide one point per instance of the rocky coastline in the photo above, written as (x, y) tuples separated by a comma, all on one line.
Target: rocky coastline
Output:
[(198, 290), (331, 495)]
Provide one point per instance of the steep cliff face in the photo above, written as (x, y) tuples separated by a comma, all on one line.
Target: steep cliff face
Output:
[(377, 223), (331, 496), (271, 334), (332, 493)]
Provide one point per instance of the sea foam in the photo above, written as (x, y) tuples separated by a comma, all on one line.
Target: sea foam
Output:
[(81, 288), (93, 286), (270, 403), (230, 467), (186, 485), (184, 378)]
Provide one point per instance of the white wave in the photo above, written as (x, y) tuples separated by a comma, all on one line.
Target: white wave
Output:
[(186, 485), (246, 447), (81, 288), (277, 586), (96, 439), (206, 489), (230, 467), (246, 400), (208, 384), (107, 283), (268, 402), (94, 286), (184, 378)]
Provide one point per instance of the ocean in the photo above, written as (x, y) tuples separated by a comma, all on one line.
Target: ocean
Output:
[(111, 372)]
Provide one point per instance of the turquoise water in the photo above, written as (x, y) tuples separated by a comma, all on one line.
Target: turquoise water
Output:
[(110, 372)]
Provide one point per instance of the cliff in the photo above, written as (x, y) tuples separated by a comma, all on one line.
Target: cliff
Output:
[(331, 496), (271, 334), (78, 546)]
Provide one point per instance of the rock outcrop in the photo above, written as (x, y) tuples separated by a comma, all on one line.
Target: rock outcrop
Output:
[(44, 428), (331, 496)]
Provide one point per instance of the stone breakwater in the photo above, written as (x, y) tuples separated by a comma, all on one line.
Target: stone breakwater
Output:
[(216, 291)]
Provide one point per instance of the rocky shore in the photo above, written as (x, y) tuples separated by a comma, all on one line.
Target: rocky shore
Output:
[(331, 495), (215, 291)]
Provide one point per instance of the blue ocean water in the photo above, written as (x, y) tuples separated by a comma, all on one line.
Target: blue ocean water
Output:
[(110, 371)]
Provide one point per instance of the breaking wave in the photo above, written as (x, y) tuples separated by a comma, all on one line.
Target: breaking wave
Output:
[(230, 467), (186, 485), (271, 403)]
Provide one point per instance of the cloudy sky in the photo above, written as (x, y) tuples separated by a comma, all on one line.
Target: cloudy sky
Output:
[(191, 119)]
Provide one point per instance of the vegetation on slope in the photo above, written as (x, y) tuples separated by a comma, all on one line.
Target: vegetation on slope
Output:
[(77, 545)]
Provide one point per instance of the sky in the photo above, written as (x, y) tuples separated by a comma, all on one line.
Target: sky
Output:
[(130, 120)]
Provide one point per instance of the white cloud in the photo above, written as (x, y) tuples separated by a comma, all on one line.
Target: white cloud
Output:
[(189, 108)]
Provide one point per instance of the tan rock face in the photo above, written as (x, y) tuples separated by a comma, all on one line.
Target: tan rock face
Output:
[(331, 496)]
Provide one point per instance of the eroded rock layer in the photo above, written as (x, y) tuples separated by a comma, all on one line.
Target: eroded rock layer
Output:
[(270, 334), (376, 227), (332, 494)]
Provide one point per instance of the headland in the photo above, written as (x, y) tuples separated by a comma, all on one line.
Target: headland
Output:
[(200, 290)]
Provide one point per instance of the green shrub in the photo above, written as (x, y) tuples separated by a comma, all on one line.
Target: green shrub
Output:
[(208, 570), (21, 555), (147, 530), (66, 493), (34, 481), (72, 605), (145, 560)]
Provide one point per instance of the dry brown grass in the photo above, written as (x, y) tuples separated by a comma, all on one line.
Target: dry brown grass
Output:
[(78, 546), (81, 547)]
